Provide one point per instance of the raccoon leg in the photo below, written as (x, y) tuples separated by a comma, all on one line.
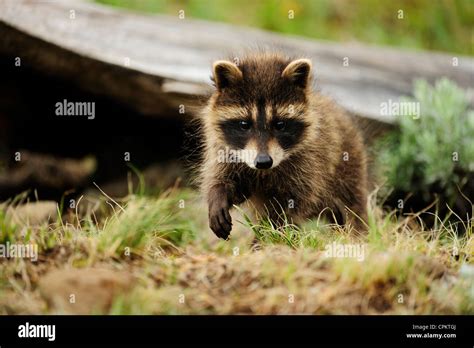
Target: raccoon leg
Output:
[(219, 204), (354, 215), (357, 218)]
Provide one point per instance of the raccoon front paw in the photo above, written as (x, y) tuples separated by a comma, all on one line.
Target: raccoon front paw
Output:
[(220, 221)]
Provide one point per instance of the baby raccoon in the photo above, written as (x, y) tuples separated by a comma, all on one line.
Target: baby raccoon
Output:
[(271, 140)]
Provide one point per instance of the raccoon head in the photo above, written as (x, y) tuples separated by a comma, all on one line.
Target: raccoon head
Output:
[(261, 107)]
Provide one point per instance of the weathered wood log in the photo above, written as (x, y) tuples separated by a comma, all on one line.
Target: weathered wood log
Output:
[(155, 63), (39, 170)]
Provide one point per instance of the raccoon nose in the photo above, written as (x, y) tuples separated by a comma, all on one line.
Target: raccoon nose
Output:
[(263, 162)]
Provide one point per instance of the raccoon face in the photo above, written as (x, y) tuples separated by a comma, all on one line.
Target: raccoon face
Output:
[(260, 108)]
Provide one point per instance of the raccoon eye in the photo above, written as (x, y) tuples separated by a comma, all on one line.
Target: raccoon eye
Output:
[(245, 125), (280, 125)]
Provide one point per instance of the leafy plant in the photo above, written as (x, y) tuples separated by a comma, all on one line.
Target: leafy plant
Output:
[(435, 151)]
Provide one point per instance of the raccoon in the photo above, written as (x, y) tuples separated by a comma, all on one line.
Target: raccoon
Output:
[(269, 139)]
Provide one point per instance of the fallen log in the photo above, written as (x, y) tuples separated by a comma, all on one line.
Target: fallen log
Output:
[(46, 171), (156, 63)]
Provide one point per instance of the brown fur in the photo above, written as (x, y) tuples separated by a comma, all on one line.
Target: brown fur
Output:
[(313, 178)]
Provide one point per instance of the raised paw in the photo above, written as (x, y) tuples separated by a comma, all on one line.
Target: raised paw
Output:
[(220, 221)]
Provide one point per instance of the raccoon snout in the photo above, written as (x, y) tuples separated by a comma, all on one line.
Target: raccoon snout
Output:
[(263, 161)]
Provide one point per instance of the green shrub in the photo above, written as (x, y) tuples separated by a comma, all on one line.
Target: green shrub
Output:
[(435, 150)]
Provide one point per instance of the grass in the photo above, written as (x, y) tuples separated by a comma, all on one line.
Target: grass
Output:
[(433, 25), (180, 267)]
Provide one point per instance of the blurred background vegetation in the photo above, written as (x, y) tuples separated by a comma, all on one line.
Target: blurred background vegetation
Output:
[(443, 25)]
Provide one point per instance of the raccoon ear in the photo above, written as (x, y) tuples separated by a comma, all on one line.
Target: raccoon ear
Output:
[(225, 73), (298, 72)]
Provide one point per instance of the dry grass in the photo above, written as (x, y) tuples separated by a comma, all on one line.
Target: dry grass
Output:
[(179, 267)]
